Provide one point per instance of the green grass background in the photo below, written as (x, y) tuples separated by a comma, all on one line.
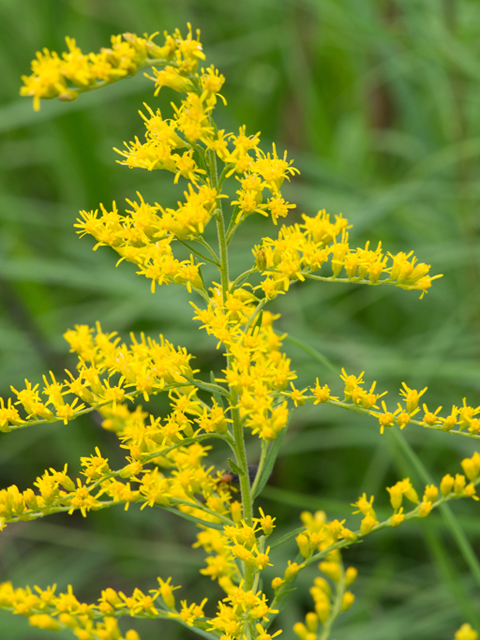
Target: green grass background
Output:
[(377, 102)]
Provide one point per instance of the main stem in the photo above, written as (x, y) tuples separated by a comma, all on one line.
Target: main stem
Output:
[(240, 451)]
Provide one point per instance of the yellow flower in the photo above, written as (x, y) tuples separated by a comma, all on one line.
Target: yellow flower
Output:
[(8, 415), (466, 633), (322, 394), (170, 77), (350, 575), (471, 466), (386, 419), (263, 635), (212, 82), (266, 522), (367, 524), (430, 418), (411, 396), (364, 506)]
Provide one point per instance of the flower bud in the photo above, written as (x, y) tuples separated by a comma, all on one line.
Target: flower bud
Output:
[(347, 600), (446, 484), (350, 575), (311, 620)]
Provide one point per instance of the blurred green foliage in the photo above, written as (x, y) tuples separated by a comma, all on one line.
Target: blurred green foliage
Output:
[(377, 102)]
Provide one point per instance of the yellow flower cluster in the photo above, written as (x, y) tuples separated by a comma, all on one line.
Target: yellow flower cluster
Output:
[(147, 367), (302, 249), (144, 237), (460, 420), (450, 487), (74, 72), (47, 610)]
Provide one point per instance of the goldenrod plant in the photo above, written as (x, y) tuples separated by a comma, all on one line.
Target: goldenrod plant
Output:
[(251, 400)]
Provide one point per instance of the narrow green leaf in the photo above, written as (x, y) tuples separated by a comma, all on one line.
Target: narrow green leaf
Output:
[(270, 459), (285, 538), (312, 352), (215, 394)]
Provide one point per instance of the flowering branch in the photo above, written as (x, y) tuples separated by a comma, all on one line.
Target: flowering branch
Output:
[(166, 462)]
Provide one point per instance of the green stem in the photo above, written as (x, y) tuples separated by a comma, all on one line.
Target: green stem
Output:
[(240, 452), (245, 488), (239, 446)]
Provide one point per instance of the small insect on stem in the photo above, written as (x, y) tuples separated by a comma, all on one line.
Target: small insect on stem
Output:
[(233, 478)]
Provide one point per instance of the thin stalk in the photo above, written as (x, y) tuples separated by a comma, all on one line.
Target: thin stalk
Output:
[(370, 412), (241, 277), (245, 488), (201, 255), (205, 244), (254, 315), (240, 451)]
